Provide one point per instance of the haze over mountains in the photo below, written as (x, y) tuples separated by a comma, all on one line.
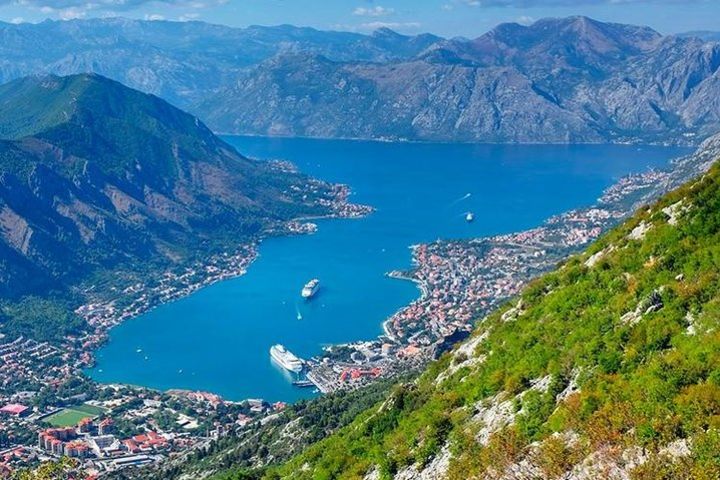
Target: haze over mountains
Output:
[(96, 175), (180, 61), (703, 34), (559, 80)]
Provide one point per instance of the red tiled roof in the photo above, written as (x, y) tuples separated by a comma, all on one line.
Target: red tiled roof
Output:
[(13, 409), (130, 444)]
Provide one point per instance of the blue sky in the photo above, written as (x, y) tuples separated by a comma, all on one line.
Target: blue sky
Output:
[(444, 17)]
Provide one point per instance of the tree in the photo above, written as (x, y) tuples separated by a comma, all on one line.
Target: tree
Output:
[(62, 469)]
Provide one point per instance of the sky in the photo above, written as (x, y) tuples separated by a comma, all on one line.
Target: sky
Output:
[(449, 18)]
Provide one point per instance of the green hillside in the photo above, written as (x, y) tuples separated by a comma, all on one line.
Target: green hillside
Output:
[(609, 365), (118, 128), (98, 178)]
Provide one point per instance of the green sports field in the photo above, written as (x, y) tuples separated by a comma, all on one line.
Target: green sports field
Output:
[(89, 409), (70, 417)]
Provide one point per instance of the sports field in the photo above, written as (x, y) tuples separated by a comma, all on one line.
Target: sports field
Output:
[(69, 417)]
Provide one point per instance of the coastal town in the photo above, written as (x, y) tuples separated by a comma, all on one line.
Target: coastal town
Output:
[(106, 428), (461, 281), (49, 409)]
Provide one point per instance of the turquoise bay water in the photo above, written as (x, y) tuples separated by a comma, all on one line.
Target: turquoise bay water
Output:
[(218, 338)]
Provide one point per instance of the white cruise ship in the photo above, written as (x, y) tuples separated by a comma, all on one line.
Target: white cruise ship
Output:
[(310, 288), (286, 358)]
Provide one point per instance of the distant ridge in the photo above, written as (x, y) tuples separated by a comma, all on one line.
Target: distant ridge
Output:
[(179, 61), (704, 35), (559, 80)]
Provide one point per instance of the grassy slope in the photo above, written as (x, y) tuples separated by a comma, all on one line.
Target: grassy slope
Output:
[(645, 383)]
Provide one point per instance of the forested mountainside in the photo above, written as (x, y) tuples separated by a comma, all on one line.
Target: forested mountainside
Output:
[(557, 81), (99, 177)]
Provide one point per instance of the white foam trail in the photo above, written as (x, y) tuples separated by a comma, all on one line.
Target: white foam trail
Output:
[(464, 197)]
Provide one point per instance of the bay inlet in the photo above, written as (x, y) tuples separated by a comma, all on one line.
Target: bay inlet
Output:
[(218, 338)]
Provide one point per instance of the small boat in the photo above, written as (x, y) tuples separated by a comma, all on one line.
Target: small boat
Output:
[(310, 288), (469, 217)]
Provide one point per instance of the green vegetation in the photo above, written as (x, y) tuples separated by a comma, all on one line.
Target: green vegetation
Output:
[(90, 409), (63, 469), (141, 188), (99, 119), (636, 337), (69, 417), (43, 319), (274, 441)]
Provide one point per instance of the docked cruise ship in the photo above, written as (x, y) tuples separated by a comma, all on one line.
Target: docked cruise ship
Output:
[(310, 288), (286, 358)]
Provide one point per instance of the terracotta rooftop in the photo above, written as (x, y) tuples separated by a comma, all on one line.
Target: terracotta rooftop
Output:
[(13, 409)]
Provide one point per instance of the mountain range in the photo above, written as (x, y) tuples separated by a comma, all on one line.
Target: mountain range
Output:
[(182, 62), (607, 367), (559, 80), (96, 176)]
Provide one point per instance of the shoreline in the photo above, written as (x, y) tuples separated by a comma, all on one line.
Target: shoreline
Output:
[(443, 330), (405, 277), (463, 280), (629, 143), (244, 256)]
